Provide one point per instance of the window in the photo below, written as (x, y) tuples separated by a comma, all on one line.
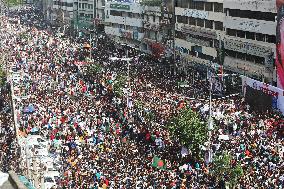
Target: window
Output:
[(192, 21), (209, 24), (218, 7), (252, 14), (219, 26), (241, 34), (241, 56), (250, 35), (231, 32), (260, 37), (182, 19), (154, 18), (199, 22), (180, 35), (259, 60), (216, 43), (230, 53), (179, 3), (184, 4), (270, 39), (199, 5), (208, 6), (115, 13)]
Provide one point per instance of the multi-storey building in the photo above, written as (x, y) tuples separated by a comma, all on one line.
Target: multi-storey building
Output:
[(249, 42), (84, 14), (62, 13), (153, 31), (199, 30), (124, 22), (47, 7)]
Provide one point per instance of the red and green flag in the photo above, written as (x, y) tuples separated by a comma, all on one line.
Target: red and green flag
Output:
[(159, 163)]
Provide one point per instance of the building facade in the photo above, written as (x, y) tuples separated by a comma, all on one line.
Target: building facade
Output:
[(238, 34), (250, 38), (84, 14), (124, 22), (62, 12), (199, 31)]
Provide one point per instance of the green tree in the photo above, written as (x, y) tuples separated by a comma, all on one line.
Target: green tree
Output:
[(189, 130), (119, 84), (2, 76), (223, 169), (12, 2), (94, 70)]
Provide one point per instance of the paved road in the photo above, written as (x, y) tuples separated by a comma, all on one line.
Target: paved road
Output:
[(7, 185)]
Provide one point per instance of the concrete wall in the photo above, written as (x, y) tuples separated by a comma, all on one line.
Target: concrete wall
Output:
[(251, 5)]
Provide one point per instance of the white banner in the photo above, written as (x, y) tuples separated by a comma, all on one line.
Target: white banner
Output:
[(277, 93)]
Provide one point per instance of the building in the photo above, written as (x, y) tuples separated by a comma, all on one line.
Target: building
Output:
[(62, 12), (84, 14), (124, 22), (153, 32), (47, 7), (99, 12), (250, 38), (199, 31)]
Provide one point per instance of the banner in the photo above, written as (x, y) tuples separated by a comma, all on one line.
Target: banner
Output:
[(266, 91), (280, 43)]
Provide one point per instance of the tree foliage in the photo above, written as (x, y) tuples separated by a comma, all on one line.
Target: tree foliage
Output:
[(223, 169), (189, 130), (12, 2), (119, 84), (94, 69), (2, 76)]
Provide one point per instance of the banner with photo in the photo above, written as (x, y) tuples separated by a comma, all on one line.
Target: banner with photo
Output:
[(280, 43), (262, 96)]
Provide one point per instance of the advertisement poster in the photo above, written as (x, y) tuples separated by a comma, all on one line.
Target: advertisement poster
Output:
[(280, 43)]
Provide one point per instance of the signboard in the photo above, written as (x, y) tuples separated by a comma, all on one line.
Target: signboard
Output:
[(195, 13), (199, 32), (280, 44), (120, 6), (276, 93), (246, 47)]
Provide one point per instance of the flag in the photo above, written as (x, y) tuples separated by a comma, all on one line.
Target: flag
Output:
[(221, 72), (159, 163)]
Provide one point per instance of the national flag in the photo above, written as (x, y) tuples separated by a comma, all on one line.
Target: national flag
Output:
[(159, 163), (221, 72)]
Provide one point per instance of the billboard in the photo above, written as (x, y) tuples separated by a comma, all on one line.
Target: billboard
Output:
[(262, 96), (280, 43)]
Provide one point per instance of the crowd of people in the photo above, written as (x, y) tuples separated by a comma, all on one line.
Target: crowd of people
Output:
[(106, 140)]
